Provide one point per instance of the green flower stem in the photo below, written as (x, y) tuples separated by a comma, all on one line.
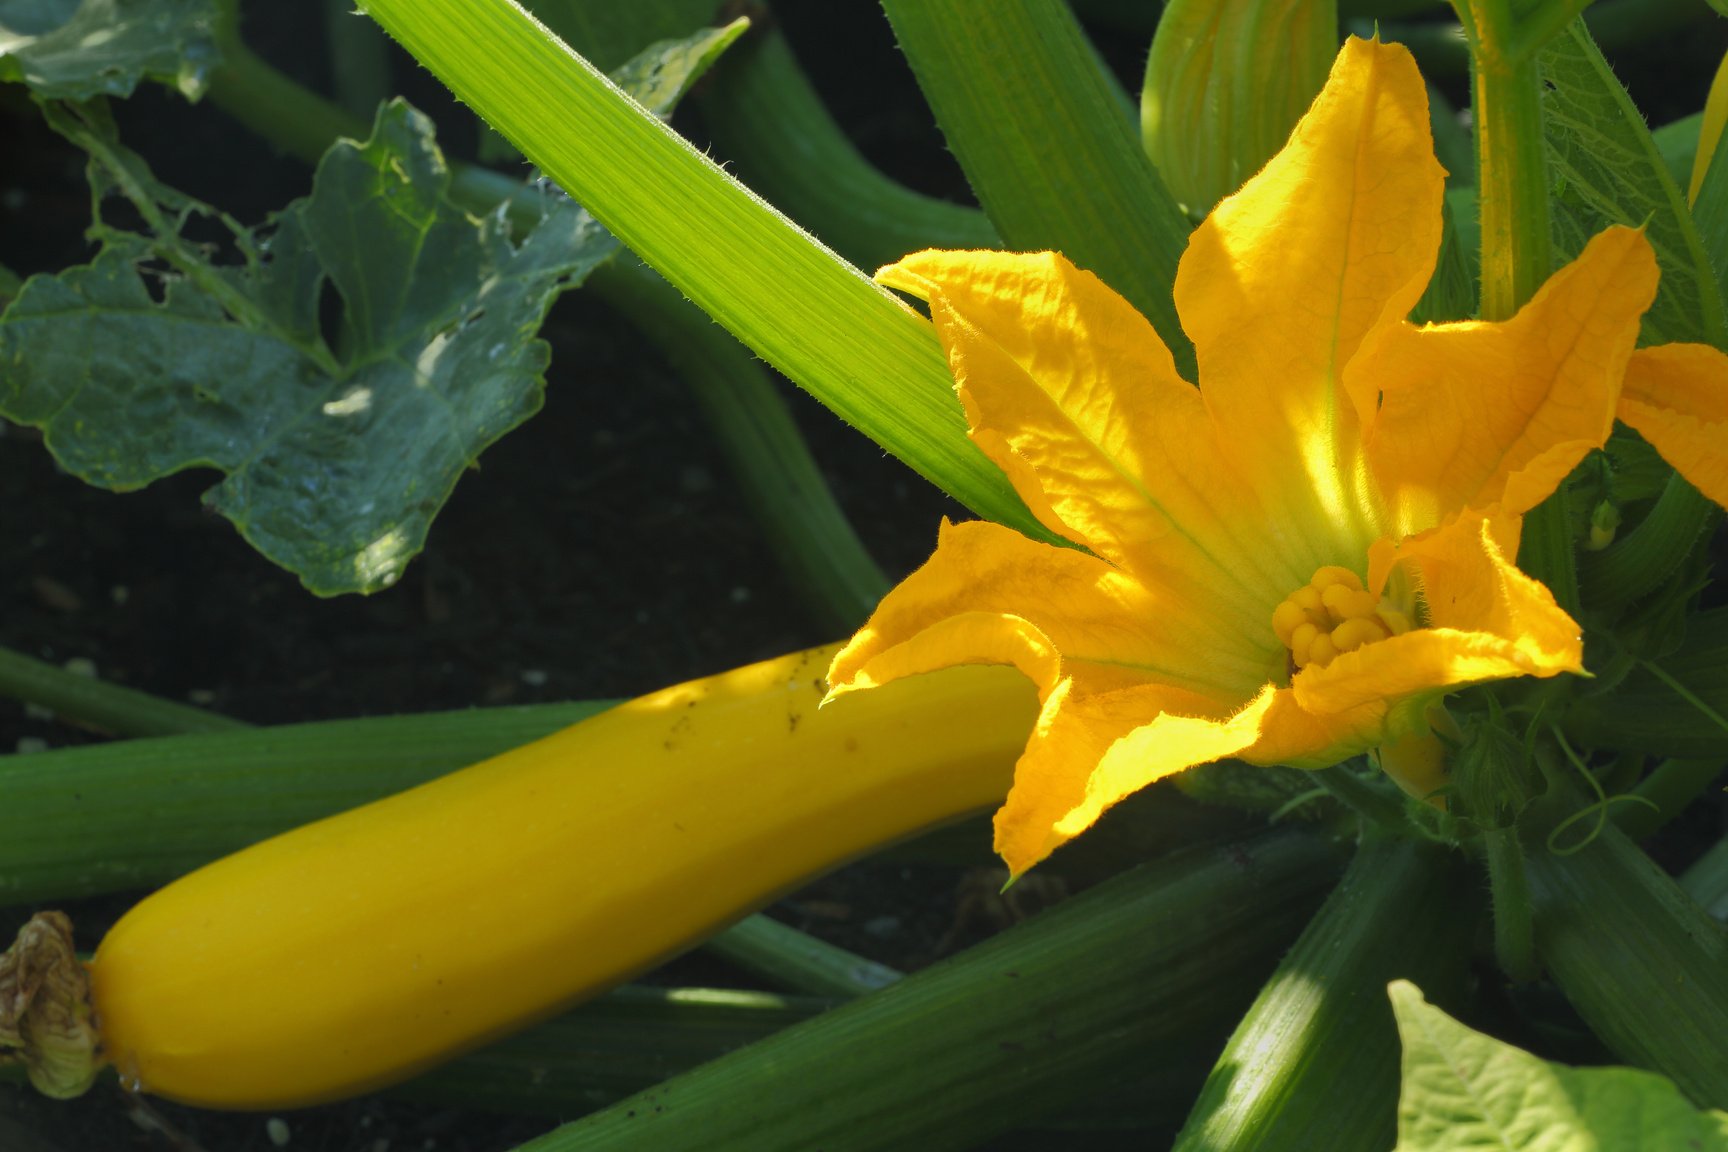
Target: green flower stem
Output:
[(762, 114), (1509, 888), (1115, 986), (1376, 806), (1441, 50), (92, 703), (1512, 172), (1644, 965), (1512, 200), (801, 963), (1640, 561), (1314, 1063), (806, 529), (1707, 881)]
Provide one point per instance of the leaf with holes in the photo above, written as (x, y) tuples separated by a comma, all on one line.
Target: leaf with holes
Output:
[(364, 347), (77, 49), (338, 452)]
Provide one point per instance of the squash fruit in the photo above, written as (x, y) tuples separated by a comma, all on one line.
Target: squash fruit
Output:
[(358, 950)]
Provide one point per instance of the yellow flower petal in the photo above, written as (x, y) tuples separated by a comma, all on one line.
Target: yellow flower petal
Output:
[(1089, 751), (1476, 414), (1074, 395), (1337, 234), (1487, 621), (1676, 396), (989, 595)]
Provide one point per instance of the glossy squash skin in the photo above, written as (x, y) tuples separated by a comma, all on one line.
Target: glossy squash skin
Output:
[(356, 951)]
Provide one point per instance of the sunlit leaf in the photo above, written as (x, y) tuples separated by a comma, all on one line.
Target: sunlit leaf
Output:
[(1608, 170), (1464, 1092)]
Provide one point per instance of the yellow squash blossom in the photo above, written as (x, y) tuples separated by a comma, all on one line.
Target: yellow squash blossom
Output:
[(1289, 563)]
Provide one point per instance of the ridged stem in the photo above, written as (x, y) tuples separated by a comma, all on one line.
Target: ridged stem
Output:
[(1644, 965), (1113, 986), (1509, 890), (93, 703), (1640, 561), (762, 113), (788, 958), (1707, 881), (1314, 1063)]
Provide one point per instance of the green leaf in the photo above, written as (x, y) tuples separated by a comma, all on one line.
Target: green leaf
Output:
[(152, 359), (1608, 170), (1465, 1091), (868, 356), (72, 50)]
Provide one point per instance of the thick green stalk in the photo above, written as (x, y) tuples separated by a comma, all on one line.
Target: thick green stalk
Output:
[(788, 958), (1669, 789), (136, 814), (1644, 965), (1114, 986), (1512, 172), (1642, 560), (872, 359), (1707, 881), (292, 117), (1377, 807), (1509, 890), (806, 528), (1440, 48), (763, 115), (626, 1041), (1038, 126), (96, 704), (1314, 1063), (359, 59), (1512, 210)]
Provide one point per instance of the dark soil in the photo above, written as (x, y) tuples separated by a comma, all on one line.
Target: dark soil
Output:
[(602, 550)]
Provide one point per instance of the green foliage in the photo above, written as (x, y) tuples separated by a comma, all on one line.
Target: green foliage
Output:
[(339, 450), (1007, 80), (340, 441), (754, 271), (76, 49), (1464, 1091), (1608, 170)]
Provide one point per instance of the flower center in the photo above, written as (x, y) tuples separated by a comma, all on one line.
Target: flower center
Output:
[(1332, 613)]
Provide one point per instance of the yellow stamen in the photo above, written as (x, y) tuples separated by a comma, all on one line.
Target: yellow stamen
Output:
[(1334, 613)]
